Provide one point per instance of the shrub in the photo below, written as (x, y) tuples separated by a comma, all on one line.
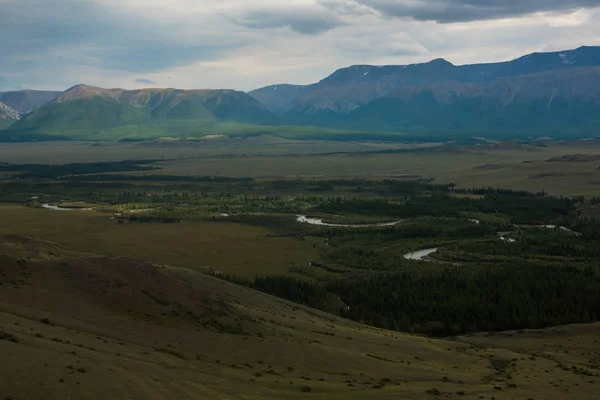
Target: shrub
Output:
[(8, 336)]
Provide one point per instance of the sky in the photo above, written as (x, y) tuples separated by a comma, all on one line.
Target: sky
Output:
[(244, 45)]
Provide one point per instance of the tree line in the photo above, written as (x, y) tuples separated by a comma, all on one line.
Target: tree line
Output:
[(454, 300)]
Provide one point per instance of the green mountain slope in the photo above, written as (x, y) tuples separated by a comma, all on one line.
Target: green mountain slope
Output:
[(86, 112), (237, 106)]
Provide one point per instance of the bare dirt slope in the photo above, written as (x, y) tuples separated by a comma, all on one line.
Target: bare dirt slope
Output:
[(81, 326)]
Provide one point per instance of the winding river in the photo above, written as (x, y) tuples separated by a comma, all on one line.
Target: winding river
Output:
[(316, 221), (562, 228), (420, 254), (57, 208)]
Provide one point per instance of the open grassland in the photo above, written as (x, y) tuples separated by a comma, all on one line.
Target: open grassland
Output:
[(104, 129), (232, 248), (506, 166), (192, 131), (89, 327), (63, 152), (514, 168)]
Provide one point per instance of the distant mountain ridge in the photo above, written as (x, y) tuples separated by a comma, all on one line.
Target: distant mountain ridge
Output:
[(25, 101), (415, 96), (369, 81)]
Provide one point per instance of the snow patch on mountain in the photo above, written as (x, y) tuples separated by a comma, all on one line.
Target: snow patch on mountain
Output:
[(565, 59)]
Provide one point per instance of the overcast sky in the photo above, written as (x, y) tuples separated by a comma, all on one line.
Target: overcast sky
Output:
[(243, 44)]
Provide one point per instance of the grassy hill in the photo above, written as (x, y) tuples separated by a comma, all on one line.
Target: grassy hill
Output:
[(84, 326), (85, 112)]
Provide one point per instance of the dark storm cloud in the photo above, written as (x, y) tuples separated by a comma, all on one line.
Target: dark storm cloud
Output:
[(145, 81), (308, 21), (447, 11), (39, 33)]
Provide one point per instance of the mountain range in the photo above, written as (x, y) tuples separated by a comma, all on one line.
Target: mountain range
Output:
[(539, 94), (360, 84), (557, 91)]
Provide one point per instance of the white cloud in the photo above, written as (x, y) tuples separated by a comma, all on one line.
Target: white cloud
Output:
[(244, 45)]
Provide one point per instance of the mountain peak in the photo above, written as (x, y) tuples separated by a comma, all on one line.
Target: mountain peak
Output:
[(441, 62), (79, 86), (82, 91)]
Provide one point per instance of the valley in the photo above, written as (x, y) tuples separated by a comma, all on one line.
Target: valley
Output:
[(266, 269), (534, 167), (309, 199)]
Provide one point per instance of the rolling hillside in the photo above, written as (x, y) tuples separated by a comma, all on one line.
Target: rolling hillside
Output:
[(84, 326), (87, 112), (540, 91)]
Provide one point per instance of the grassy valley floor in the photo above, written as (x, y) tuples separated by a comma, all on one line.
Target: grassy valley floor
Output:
[(506, 165)]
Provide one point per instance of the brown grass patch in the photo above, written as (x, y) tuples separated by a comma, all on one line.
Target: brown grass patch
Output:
[(231, 248)]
